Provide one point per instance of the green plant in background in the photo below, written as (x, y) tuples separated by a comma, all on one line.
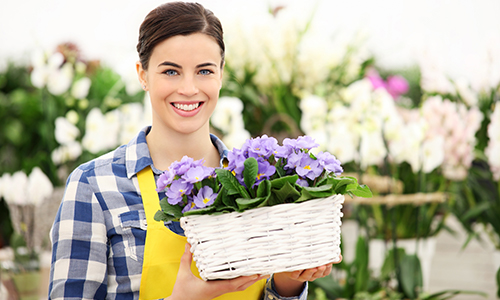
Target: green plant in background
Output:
[(55, 114), (58, 84)]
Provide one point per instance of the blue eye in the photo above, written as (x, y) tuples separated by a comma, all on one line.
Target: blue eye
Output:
[(206, 72), (170, 72)]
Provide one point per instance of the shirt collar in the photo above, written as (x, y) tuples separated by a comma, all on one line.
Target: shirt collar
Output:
[(138, 156)]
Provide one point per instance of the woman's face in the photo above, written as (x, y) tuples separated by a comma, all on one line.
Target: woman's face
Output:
[(183, 79)]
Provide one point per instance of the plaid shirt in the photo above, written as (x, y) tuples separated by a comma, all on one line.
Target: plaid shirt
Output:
[(99, 232)]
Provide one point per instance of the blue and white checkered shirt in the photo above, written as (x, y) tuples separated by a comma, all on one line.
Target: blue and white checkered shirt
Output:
[(99, 232)]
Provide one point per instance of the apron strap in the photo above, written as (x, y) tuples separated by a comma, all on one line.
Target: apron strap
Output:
[(163, 251)]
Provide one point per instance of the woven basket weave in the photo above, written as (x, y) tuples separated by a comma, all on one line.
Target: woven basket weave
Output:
[(266, 240)]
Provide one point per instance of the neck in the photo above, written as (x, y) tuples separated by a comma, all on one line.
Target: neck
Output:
[(166, 147)]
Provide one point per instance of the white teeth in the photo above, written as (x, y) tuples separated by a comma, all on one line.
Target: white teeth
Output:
[(186, 107)]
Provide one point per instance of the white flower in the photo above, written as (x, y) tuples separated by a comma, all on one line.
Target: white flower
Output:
[(372, 149), (433, 78), (72, 116), (493, 149), (314, 112), (342, 143), (60, 80), (101, 131), (67, 152), (132, 120), (227, 115), (65, 131), (80, 88), (236, 138), (467, 94), (39, 187), (432, 153), (39, 76), (15, 188)]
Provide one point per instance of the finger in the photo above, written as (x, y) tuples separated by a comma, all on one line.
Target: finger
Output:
[(249, 283), (307, 274), (238, 283), (186, 258), (340, 259)]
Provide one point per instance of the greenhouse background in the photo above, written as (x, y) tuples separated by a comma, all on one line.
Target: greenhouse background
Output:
[(404, 93)]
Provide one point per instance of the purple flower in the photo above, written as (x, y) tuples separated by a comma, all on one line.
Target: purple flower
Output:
[(205, 197), (302, 182), (177, 189), (266, 170), (236, 160), (329, 162), (295, 145), (164, 180), (306, 142), (189, 206), (263, 146), (397, 85), (197, 174), (181, 167), (377, 81), (304, 165)]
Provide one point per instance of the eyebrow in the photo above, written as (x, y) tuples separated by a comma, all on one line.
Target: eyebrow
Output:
[(169, 63)]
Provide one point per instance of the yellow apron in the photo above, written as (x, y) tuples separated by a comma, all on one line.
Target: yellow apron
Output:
[(163, 251)]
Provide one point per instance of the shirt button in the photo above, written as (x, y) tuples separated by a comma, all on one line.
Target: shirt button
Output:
[(271, 297)]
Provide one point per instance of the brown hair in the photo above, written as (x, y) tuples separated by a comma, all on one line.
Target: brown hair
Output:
[(176, 18)]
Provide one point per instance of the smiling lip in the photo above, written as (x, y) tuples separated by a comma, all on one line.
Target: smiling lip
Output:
[(187, 109)]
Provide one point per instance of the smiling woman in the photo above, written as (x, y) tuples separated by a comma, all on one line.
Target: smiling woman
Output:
[(106, 244)]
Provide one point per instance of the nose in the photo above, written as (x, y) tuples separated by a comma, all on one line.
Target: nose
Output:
[(188, 86)]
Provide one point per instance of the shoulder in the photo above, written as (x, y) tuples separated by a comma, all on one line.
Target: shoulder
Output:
[(100, 166)]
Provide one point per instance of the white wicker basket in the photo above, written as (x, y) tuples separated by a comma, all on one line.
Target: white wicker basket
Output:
[(266, 240)]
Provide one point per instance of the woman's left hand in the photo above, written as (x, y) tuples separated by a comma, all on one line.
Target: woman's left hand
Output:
[(289, 284)]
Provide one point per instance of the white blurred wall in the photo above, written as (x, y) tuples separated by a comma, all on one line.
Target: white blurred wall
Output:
[(461, 36)]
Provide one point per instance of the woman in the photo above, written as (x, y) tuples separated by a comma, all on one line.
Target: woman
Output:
[(100, 246)]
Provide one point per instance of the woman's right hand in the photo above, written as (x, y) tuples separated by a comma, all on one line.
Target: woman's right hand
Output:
[(188, 286)]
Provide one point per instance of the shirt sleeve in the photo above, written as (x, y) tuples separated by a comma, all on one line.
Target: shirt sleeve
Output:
[(79, 244), (271, 294)]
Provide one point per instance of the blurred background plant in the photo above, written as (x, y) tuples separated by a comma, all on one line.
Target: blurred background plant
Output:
[(55, 113), (411, 134)]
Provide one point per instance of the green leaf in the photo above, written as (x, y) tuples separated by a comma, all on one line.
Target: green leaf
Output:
[(389, 267), (160, 216), (229, 202), (201, 211), (250, 171), (339, 182), (230, 182), (264, 189), (287, 193), (278, 183), (169, 209), (362, 191), (411, 275), (360, 263), (498, 283), (248, 203)]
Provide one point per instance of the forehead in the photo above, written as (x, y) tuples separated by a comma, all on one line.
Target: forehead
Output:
[(192, 48)]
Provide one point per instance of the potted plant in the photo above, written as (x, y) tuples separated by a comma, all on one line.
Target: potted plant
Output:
[(266, 193)]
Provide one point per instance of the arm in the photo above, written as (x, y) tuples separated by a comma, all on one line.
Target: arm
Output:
[(79, 245)]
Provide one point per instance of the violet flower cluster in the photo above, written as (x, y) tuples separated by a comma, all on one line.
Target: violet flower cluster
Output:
[(294, 157), (183, 186), (190, 186)]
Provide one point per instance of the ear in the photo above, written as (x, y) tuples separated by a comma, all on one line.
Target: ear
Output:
[(142, 75)]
